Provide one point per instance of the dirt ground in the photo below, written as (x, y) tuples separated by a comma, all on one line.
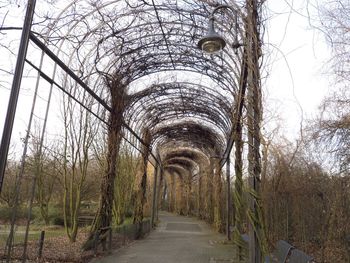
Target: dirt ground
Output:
[(60, 249)]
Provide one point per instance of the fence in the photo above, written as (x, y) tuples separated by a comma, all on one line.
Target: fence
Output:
[(114, 237)]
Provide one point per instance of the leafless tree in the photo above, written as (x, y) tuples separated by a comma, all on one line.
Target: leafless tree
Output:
[(79, 131)]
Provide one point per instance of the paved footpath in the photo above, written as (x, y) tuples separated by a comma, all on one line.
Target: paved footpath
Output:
[(177, 239)]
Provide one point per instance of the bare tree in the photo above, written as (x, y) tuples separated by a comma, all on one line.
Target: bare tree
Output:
[(7, 195), (79, 131), (124, 184), (335, 22), (44, 165), (331, 130)]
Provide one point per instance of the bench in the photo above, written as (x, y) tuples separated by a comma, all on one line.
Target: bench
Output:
[(284, 252), (280, 253), (245, 238), (85, 220), (298, 256)]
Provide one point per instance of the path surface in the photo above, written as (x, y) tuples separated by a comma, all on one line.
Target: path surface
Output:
[(177, 239)]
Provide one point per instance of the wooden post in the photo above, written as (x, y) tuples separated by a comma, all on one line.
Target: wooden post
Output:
[(95, 242), (41, 244)]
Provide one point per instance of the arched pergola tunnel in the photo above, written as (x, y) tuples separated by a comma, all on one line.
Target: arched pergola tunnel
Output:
[(140, 62)]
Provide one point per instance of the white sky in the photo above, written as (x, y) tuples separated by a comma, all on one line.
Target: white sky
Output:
[(295, 80)]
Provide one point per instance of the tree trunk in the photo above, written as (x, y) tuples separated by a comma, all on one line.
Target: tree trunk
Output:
[(218, 220), (141, 191), (256, 241), (104, 213)]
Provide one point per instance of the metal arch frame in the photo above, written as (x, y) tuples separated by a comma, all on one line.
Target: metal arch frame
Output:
[(213, 78), (144, 101), (149, 94), (112, 2), (76, 23), (213, 142), (80, 82), (102, 102), (17, 79), (188, 153), (207, 74), (177, 168), (202, 87), (84, 16), (207, 91), (191, 164)]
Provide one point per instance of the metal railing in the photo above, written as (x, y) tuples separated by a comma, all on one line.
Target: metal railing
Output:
[(116, 236)]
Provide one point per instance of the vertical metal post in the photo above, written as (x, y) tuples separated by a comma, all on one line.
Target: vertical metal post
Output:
[(37, 157), (228, 196), (20, 176), (17, 78), (155, 175), (253, 116), (158, 204), (187, 183), (199, 200), (110, 237), (165, 192), (124, 235)]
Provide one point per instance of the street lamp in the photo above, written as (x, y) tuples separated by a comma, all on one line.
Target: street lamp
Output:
[(213, 42)]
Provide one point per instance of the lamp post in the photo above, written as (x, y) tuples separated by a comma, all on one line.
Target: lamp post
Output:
[(213, 42), (250, 78)]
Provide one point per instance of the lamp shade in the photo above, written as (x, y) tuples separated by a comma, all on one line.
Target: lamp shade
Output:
[(212, 42)]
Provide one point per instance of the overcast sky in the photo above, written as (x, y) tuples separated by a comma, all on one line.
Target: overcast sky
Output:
[(294, 78), (297, 79)]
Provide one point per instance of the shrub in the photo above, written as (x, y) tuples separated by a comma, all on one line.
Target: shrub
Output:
[(57, 221), (6, 213)]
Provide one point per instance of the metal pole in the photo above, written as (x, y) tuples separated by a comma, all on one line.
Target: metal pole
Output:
[(254, 114), (16, 84), (158, 205), (20, 175), (199, 200), (154, 194), (228, 201), (37, 160), (110, 240)]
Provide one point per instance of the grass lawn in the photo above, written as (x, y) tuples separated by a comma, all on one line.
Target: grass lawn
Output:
[(34, 233)]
